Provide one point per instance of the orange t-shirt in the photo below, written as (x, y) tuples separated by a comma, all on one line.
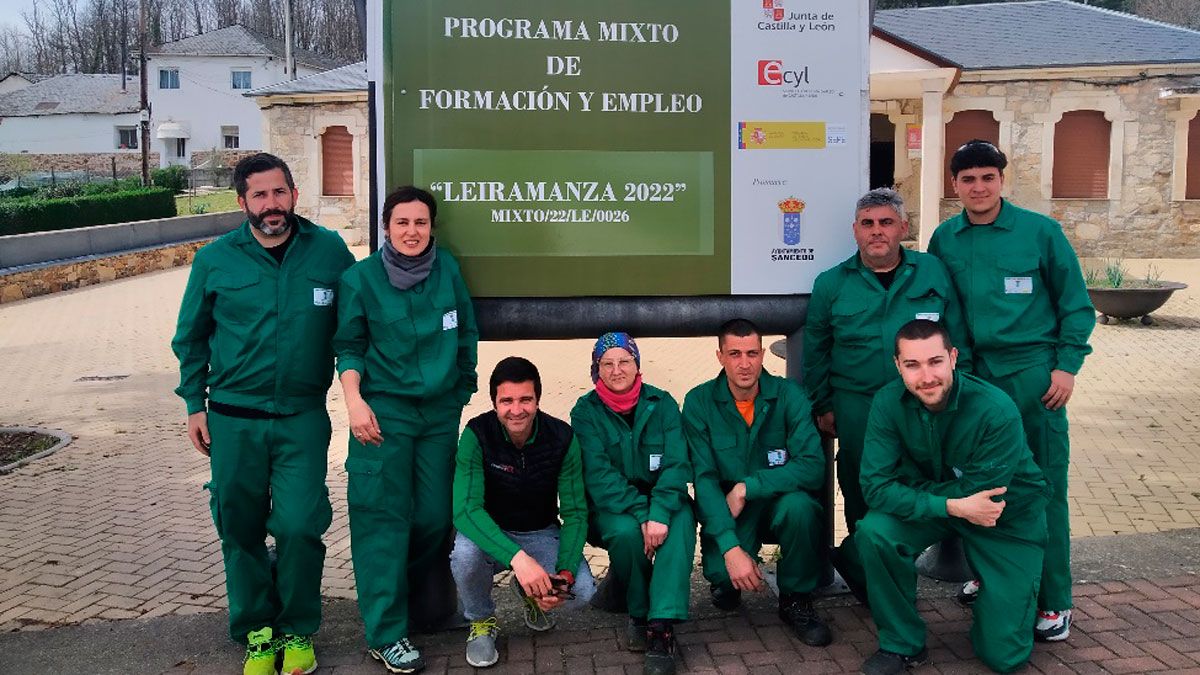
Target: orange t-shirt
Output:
[(746, 408)]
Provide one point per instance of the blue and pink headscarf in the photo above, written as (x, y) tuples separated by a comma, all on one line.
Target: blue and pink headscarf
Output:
[(626, 401)]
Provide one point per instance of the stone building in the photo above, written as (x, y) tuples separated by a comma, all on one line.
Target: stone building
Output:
[(318, 125), (1096, 110)]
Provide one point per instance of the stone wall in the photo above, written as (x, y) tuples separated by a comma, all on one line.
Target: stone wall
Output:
[(41, 281), (225, 158), (96, 164), (1141, 220), (293, 132)]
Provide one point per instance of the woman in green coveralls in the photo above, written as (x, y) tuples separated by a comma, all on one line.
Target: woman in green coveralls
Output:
[(406, 346), (636, 472)]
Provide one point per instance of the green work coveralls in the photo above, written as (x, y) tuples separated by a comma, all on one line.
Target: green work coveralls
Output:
[(849, 346), (1028, 313), (415, 351), (915, 460), (635, 475), (782, 503), (255, 333)]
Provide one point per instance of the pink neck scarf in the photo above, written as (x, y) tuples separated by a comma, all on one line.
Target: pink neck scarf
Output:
[(620, 403)]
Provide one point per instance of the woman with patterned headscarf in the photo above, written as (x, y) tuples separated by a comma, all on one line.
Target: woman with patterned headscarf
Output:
[(636, 473)]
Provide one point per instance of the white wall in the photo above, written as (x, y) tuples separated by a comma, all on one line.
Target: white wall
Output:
[(13, 83), (206, 101), (64, 133)]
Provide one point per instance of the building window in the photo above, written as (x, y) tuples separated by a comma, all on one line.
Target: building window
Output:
[(1192, 191), (168, 78), (967, 125), (127, 138), (229, 137), (241, 79), (337, 162), (181, 147), (1081, 155)]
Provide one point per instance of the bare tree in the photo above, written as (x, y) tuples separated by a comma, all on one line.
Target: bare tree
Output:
[(1179, 12)]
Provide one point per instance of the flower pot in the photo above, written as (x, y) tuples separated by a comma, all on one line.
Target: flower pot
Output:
[(1130, 303)]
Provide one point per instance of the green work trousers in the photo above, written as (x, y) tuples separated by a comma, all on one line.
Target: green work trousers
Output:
[(795, 521), (850, 410), (268, 477), (1046, 431), (1002, 632), (398, 497), (658, 589)]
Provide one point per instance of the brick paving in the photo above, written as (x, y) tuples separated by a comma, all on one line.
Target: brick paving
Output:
[(115, 526)]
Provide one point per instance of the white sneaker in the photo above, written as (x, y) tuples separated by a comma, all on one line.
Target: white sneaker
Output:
[(1052, 626), (968, 593)]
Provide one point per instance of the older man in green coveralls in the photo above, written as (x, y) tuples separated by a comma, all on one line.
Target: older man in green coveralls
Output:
[(855, 310), (253, 342), (636, 471), (945, 455), (1029, 318), (759, 471)]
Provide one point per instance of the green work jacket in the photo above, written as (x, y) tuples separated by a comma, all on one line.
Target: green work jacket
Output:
[(914, 460), (1022, 290), (724, 451), (255, 333), (472, 519), (415, 344), (617, 458), (852, 321)]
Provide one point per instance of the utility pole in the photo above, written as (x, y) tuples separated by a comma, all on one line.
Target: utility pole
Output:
[(289, 43), (144, 113)]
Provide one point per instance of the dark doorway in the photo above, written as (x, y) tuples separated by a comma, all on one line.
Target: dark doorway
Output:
[(883, 152)]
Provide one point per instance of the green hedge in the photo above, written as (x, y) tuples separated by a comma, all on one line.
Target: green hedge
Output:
[(18, 216)]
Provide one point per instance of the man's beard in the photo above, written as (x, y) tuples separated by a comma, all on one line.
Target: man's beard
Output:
[(258, 222)]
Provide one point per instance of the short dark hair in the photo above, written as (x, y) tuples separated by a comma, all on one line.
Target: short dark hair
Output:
[(922, 329), (258, 163), (405, 194), (977, 153), (738, 328), (515, 369)]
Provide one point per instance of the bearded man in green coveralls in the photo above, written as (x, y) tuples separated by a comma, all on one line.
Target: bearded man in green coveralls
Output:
[(635, 467), (945, 455), (255, 361), (853, 315), (1029, 317), (759, 471)]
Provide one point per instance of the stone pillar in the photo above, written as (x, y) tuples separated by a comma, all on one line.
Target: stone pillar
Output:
[(933, 141)]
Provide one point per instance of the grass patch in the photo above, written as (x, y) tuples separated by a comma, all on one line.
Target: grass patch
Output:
[(17, 445), (213, 202)]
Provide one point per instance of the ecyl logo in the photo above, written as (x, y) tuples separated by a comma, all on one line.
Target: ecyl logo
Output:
[(772, 74)]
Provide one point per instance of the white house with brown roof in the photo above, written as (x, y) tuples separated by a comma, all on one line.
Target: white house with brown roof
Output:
[(196, 87)]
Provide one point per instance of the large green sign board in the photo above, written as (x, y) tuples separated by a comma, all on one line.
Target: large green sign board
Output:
[(580, 147)]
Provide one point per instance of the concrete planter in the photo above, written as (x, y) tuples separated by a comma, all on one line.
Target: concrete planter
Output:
[(1131, 303)]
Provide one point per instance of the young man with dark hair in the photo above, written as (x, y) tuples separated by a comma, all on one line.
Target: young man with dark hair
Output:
[(759, 471), (853, 314), (255, 361), (517, 471), (945, 455), (1029, 317)]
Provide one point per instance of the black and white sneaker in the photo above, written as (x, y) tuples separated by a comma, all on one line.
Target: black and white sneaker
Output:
[(968, 593)]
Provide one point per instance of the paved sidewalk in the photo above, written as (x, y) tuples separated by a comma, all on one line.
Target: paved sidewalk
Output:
[(115, 526)]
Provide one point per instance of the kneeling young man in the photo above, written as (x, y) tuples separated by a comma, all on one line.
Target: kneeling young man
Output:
[(759, 469), (636, 472), (517, 470), (945, 454)]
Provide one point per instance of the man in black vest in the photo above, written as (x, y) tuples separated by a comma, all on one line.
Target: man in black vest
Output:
[(517, 470)]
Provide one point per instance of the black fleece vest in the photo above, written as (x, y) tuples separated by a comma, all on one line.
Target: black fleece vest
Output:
[(521, 486)]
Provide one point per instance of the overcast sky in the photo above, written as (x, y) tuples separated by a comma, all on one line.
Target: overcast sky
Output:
[(10, 11)]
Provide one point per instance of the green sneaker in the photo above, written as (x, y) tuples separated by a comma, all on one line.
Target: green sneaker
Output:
[(260, 653), (298, 655)]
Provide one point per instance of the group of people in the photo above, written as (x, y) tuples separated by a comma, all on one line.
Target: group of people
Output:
[(949, 418)]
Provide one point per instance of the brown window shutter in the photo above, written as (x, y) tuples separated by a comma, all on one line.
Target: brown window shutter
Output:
[(967, 125), (1193, 159), (337, 162), (1081, 148)]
